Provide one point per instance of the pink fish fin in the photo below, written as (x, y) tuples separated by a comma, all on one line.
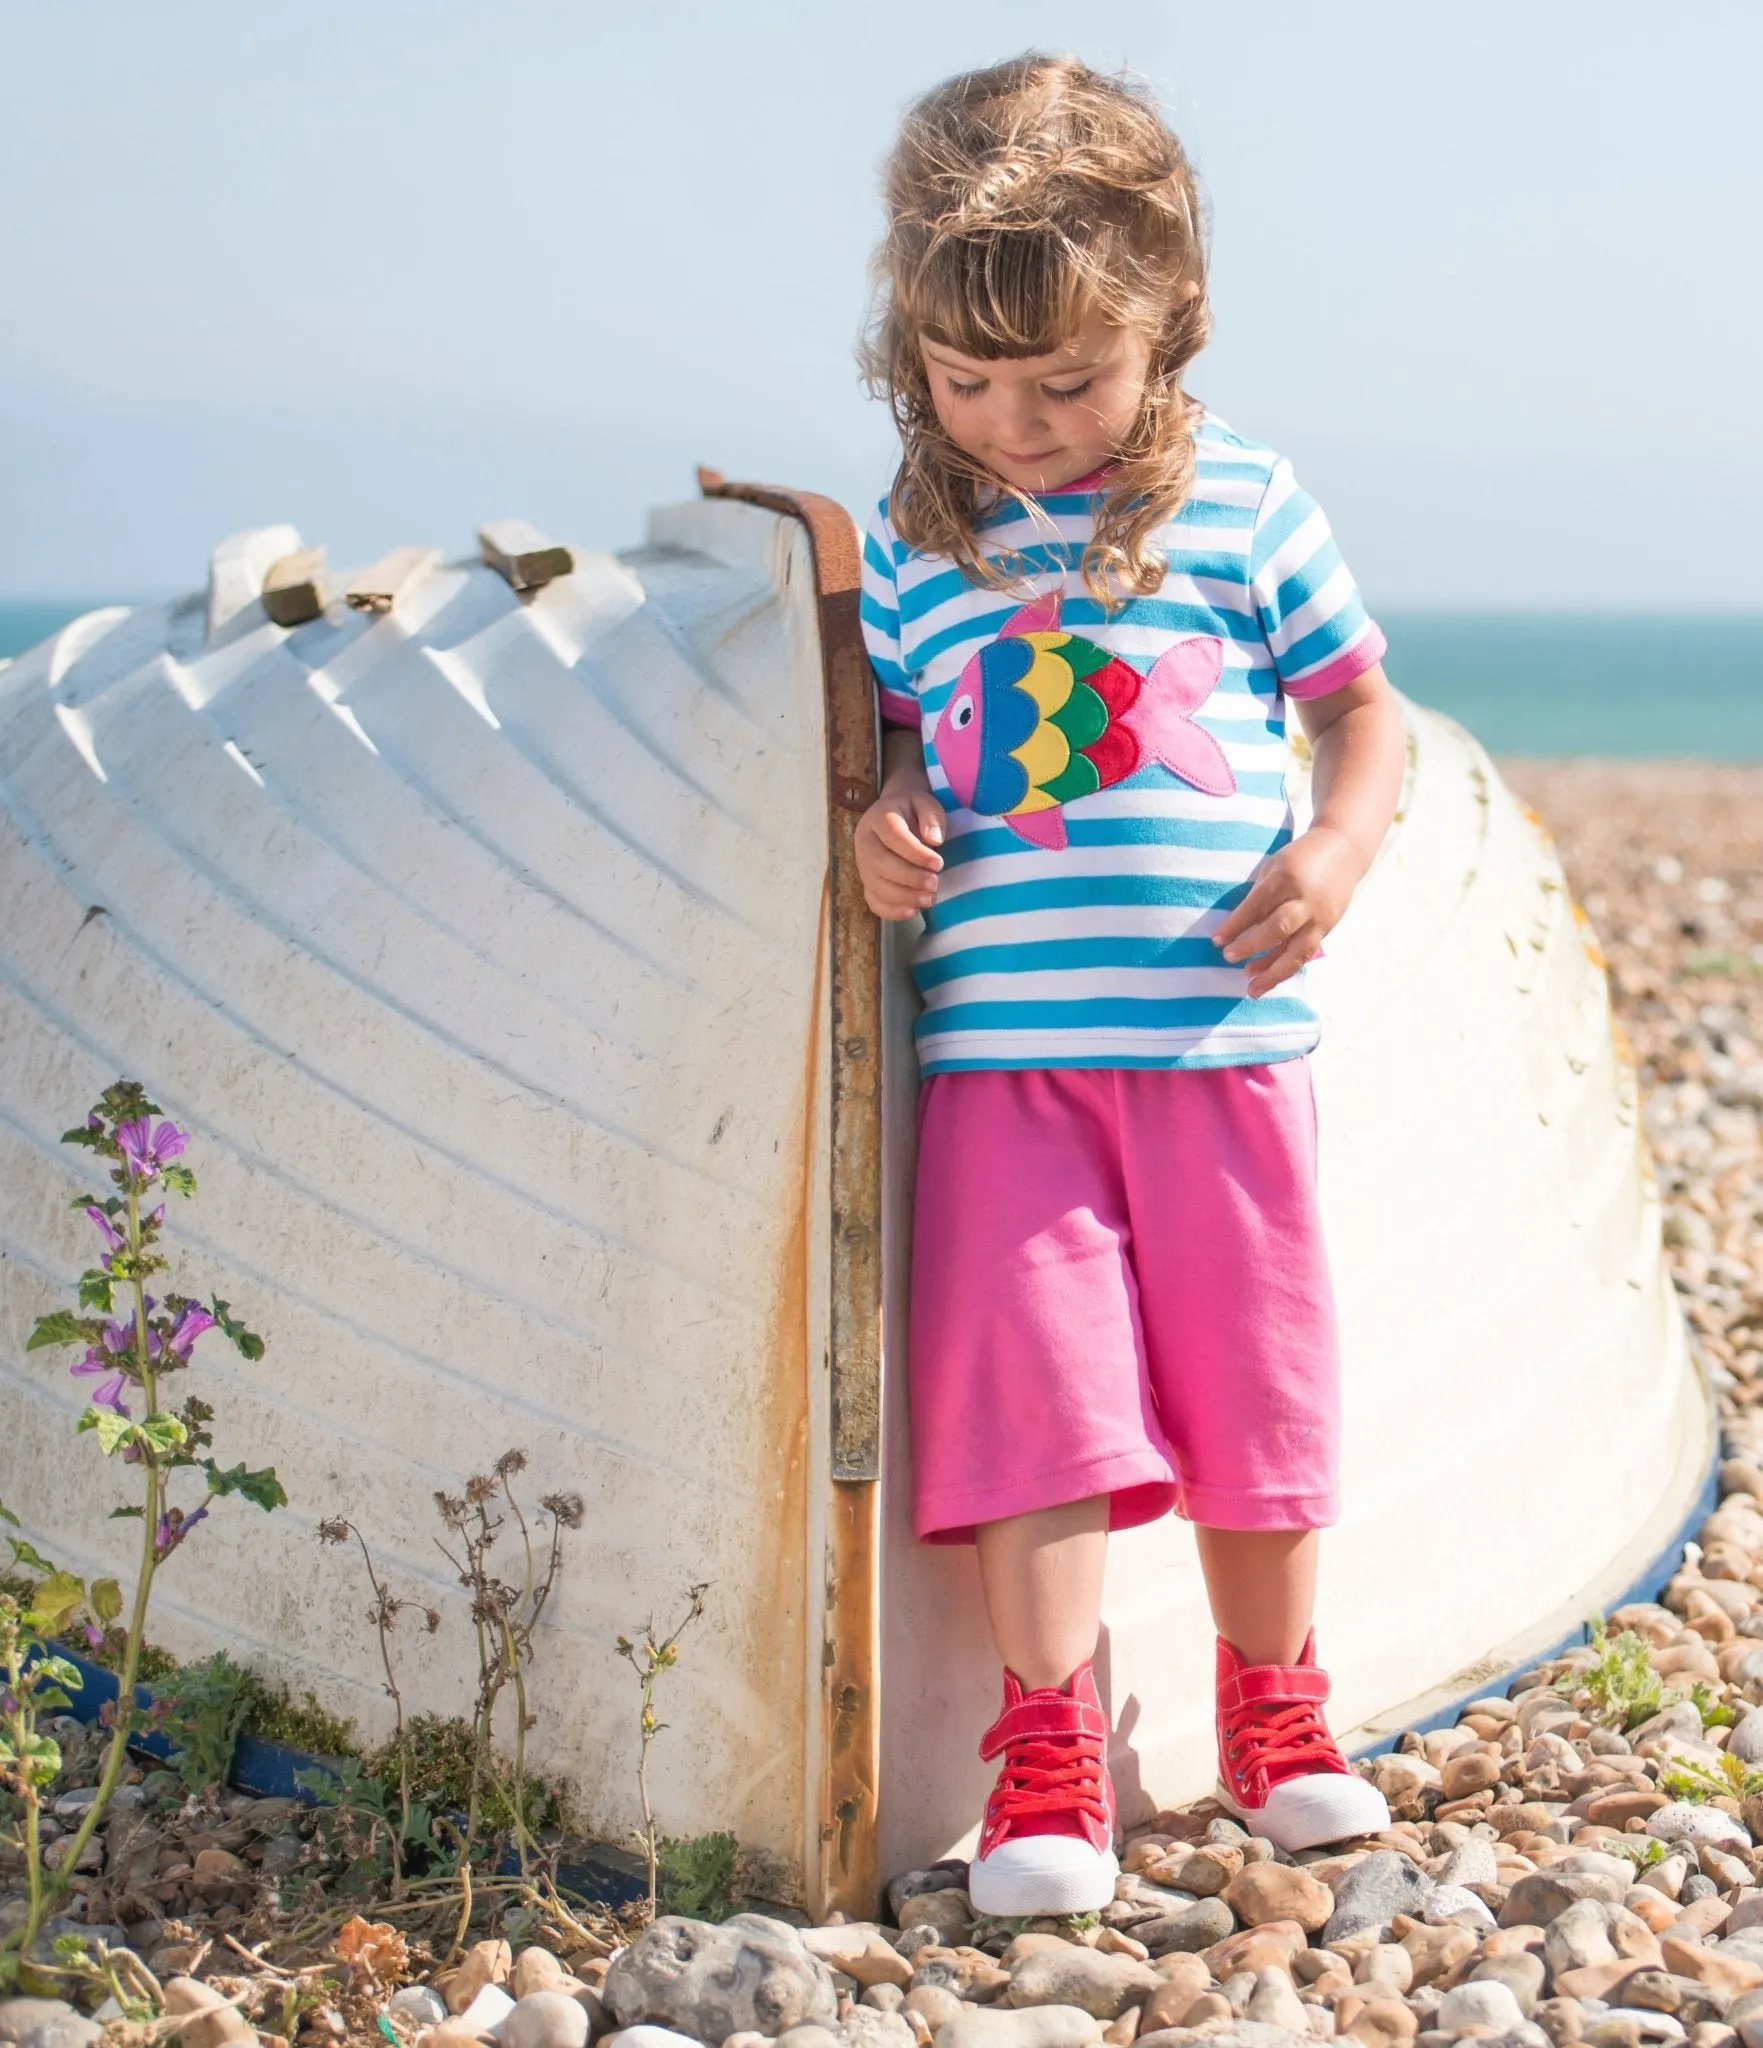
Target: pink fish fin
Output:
[(1190, 751), (1042, 616), (1040, 828), (1187, 673)]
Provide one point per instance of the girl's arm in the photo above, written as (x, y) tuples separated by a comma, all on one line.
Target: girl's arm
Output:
[(898, 836), (1299, 895)]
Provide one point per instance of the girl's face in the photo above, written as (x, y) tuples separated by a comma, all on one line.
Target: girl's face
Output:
[(1040, 422)]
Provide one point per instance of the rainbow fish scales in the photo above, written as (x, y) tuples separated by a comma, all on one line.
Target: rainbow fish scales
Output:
[(1040, 717)]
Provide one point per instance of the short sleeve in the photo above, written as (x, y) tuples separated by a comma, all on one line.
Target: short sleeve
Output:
[(1311, 613), (879, 609)]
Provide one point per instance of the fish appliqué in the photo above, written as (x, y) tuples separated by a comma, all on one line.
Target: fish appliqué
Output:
[(1039, 717)]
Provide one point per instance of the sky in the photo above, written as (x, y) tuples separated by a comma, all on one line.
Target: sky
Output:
[(389, 269)]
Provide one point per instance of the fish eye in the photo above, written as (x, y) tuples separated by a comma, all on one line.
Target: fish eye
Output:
[(961, 716)]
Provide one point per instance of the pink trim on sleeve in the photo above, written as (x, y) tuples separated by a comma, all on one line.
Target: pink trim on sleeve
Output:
[(898, 709), (1341, 669)]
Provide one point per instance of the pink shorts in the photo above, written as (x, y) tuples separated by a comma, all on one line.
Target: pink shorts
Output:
[(1119, 1286)]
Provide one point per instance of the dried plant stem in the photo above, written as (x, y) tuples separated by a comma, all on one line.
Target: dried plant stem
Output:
[(649, 1658)]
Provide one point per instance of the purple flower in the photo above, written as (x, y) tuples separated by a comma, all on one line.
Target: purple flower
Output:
[(94, 1636), (174, 1526), (146, 1147), (113, 1238), (109, 1394), (190, 1325), (118, 1338)]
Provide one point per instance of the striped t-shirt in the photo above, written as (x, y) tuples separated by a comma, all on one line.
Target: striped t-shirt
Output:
[(1112, 780)]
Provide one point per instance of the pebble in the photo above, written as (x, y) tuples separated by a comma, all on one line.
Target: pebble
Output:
[(1038, 2026), (1278, 1891), (646, 2036), (1372, 1892), (1522, 1974), (45, 2023), (425, 2007), (1483, 2004), (935, 1877), (751, 1973), (864, 2027), (1455, 1905), (1681, 1822), (948, 1913), (860, 1950), (1194, 1927), (543, 2019), (1070, 1975)]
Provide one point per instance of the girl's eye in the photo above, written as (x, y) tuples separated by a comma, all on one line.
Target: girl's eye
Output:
[(1071, 391), (966, 390)]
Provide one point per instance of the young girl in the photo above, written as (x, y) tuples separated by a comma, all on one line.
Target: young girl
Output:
[(1087, 602)]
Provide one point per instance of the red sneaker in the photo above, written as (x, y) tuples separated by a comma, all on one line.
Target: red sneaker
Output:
[(1047, 1842), (1279, 1769)]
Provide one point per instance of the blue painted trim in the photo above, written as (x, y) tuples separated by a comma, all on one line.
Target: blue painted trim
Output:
[(1648, 1586)]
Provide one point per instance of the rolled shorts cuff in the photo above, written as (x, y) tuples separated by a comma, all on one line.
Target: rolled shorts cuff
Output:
[(1217, 1507), (1142, 1486)]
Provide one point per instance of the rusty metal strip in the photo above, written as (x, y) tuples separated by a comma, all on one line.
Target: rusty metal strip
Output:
[(853, 1619)]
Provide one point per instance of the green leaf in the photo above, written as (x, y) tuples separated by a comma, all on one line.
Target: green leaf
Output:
[(163, 1431), (6, 1515), (246, 1342), (61, 1327), (58, 1671), (262, 1487), (56, 1597), (97, 1290), (133, 1514), (83, 1134), (113, 1430), (107, 1599), (28, 1555), (179, 1179)]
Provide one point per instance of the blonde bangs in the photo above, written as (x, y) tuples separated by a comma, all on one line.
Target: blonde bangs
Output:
[(1021, 199)]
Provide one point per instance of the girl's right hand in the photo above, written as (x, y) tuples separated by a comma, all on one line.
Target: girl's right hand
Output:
[(897, 841)]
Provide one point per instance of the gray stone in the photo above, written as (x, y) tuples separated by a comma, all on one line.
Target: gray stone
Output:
[(1746, 1740), (864, 2027), (1035, 2026), (1522, 1975), (1233, 2033), (1193, 1928), (935, 1877), (1537, 1898), (883, 1997), (751, 1974), (1471, 1862), (810, 2035), (1594, 1863), (651, 2037), (1577, 1937), (1274, 2002), (1681, 1721), (1654, 2026), (1072, 1975), (1486, 2004), (545, 2019), (281, 1856), (1371, 1893), (1453, 1905), (1682, 1822), (427, 2008), (23, 2019)]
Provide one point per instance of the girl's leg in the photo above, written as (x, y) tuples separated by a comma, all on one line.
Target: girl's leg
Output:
[(1042, 1575), (1262, 1585)]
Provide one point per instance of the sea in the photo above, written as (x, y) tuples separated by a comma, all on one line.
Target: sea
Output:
[(1545, 683)]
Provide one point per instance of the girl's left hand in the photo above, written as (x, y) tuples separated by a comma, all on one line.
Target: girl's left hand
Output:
[(1296, 899)]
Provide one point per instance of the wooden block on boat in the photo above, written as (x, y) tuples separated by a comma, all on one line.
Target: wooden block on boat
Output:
[(521, 555), (378, 589), (295, 587), (236, 568)]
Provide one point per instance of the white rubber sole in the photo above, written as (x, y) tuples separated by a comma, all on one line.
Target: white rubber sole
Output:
[(1306, 1813), (1042, 1874)]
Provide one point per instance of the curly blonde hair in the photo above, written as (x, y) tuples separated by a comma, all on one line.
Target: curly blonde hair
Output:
[(1021, 199)]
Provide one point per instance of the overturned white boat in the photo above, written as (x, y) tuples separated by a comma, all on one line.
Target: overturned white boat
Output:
[(494, 926)]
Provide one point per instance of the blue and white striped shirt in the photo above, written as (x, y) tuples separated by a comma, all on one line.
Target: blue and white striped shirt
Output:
[(1083, 877)]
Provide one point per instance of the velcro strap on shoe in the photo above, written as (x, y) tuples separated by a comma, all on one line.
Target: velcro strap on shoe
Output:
[(1047, 1719), (1272, 1685)]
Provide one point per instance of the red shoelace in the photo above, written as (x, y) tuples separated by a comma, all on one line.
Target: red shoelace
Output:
[(1276, 1743), (1042, 1777)]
